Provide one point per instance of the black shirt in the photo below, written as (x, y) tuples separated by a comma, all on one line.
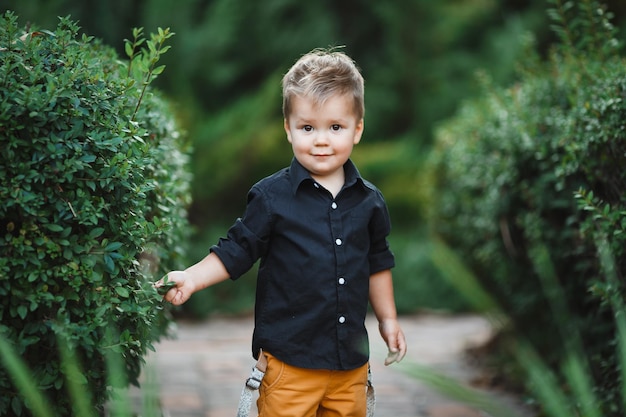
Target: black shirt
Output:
[(317, 254)]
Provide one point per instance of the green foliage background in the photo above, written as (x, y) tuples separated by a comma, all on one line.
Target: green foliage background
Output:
[(419, 59)]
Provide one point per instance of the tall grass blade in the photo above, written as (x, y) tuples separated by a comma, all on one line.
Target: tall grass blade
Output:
[(610, 271), (621, 331), (454, 389), (76, 382), (544, 383), (116, 378), (577, 375), (544, 267), (23, 380), (457, 274), (150, 393)]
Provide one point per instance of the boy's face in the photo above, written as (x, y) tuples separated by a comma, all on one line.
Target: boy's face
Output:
[(322, 136)]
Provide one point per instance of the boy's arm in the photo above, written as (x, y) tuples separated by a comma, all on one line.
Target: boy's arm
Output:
[(384, 306), (207, 272)]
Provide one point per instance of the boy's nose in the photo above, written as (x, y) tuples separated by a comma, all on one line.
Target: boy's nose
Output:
[(321, 138)]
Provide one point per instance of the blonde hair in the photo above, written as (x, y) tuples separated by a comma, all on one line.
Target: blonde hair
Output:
[(321, 74)]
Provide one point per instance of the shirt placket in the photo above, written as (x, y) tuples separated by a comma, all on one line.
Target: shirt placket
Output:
[(338, 236)]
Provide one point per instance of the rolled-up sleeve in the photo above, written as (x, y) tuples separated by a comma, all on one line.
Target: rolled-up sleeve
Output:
[(246, 240), (380, 256)]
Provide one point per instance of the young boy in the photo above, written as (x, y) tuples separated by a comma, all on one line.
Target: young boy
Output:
[(320, 231)]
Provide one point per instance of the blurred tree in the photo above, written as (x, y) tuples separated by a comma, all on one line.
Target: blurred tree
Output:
[(419, 59), (418, 56)]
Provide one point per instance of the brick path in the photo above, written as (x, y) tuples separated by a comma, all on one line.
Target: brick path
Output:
[(202, 371)]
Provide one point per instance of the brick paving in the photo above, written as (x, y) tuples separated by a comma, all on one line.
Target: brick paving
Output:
[(201, 372)]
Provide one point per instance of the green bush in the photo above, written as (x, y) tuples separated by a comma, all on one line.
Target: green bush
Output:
[(541, 165), (92, 205)]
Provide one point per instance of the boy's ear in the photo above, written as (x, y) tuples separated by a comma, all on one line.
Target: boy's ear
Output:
[(286, 126), (358, 131)]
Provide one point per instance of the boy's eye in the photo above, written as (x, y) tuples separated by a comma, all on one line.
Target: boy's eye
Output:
[(335, 127), (307, 128)]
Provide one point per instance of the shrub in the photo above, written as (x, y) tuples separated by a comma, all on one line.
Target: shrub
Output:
[(92, 206), (541, 165)]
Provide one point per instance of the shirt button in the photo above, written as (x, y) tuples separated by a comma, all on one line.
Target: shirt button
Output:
[(342, 281), (334, 205), (342, 319), (338, 242), (316, 185)]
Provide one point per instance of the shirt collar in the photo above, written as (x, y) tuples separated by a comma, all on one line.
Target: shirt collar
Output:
[(299, 174)]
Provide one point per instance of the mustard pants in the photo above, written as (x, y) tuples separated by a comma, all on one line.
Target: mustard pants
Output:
[(288, 391)]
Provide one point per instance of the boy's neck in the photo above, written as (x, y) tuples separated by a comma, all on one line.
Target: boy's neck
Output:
[(332, 183)]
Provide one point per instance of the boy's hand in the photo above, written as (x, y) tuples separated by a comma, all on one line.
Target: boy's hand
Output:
[(394, 338), (176, 287)]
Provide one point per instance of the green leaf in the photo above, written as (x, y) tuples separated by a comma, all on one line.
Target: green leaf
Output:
[(54, 227), (158, 70), (128, 48), (152, 47), (113, 246), (88, 158), (108, 263), (95, 232), (122, 292)]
